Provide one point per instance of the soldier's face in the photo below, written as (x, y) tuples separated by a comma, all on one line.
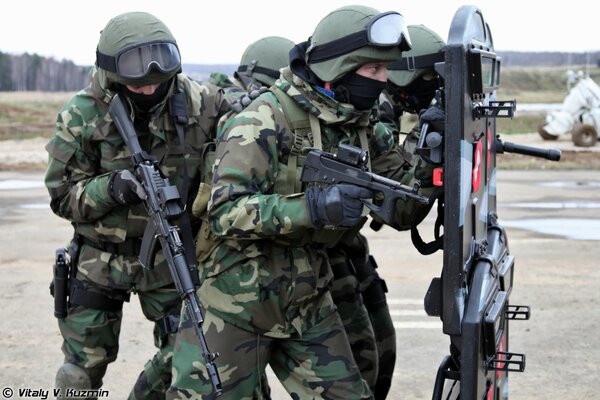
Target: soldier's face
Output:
[(147, 89), (374, 70)]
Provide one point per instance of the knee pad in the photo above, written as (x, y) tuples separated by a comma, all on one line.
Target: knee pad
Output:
[(73, 376)]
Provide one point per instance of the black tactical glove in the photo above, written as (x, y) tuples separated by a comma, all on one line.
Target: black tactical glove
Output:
[(435, 117), (125, 188), (336, 205), (243, 102)]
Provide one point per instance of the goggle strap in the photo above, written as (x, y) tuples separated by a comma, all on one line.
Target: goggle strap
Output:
[(261, 70), (103, 61), (338, 47), (410, 63)]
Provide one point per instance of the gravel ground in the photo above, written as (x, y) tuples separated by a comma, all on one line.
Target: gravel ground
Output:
[(557, 276)]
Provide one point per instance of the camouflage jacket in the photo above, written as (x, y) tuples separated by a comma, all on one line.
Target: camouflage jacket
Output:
[(237, 83), (389, 112), (269, 255), (253, 149), (87, 147)]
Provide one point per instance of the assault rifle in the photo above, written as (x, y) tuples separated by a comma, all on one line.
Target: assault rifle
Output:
[(349, 165), (164, 205)]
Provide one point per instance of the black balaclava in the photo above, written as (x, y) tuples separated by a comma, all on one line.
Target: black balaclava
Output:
[(145, 102), (360, 91), (416, 96)]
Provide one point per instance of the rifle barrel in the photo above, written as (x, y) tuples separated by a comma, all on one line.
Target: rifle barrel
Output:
[(548, 154)]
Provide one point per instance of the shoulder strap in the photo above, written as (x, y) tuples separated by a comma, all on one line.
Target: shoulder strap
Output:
[(296, 116), (178, 112), (298, 119), (364, 144)]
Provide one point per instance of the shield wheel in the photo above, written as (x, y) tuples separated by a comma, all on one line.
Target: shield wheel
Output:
[(584, 135), (545, 135)]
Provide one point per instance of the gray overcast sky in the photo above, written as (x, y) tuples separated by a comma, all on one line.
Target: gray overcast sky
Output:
[(210, 31)]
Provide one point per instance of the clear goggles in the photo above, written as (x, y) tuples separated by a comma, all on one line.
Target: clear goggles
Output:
[(385, 30), (136, 62)]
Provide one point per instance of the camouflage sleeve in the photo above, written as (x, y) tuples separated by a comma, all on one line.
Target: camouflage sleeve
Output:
[(387, 115), (243, 204), (208, 104), (77, 192), (220, 79), (218, 102), (402, 164)]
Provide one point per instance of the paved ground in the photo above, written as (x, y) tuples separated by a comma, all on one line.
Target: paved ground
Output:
[(557, 276)]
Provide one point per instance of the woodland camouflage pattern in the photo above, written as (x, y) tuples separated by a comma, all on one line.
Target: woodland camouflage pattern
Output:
[(267, 273), (83, 153), (345, 289)]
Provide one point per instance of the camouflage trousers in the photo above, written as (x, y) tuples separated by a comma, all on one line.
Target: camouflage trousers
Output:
[(316, 365), (345, 291), (91, 335), (359, 294)]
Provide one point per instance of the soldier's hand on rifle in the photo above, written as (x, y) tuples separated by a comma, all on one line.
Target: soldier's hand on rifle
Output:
[(125, 188), (336, 205), (435, 117), (243, 102)]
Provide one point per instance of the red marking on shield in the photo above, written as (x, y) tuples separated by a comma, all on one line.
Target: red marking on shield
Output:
[(476, 175)]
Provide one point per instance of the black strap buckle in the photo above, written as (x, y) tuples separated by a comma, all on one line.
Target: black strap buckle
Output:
[(169, 324)]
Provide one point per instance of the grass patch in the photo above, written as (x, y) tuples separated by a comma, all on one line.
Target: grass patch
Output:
[(32, 114), (520, 123), (29, 114)]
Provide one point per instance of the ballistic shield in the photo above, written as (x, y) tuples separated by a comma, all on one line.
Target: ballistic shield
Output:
[(472, 294)]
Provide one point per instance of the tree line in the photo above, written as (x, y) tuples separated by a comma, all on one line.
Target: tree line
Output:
[(548, 59), (32, 72)]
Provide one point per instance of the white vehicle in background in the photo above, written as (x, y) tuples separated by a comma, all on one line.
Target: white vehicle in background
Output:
[(579, 115)]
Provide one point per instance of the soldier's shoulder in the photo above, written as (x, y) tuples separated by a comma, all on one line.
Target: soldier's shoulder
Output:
[(82, 108), (222, 80), (264, 108), (202, 97), (259, 104)]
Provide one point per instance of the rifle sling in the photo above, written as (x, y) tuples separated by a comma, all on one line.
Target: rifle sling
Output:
[(178, 111), (438, 243)]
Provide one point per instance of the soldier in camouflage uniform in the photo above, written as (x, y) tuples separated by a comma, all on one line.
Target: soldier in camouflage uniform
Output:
[(412, 83), (264, 266), (411, 88), (354, 274), (259, 65), (90, 183)]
